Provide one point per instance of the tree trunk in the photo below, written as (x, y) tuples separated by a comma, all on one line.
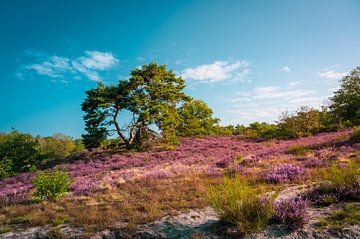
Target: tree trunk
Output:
[(118, 130)]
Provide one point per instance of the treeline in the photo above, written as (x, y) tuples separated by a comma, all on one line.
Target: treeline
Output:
[(21, 152), (301, 123), (154, 97), (342, 111)]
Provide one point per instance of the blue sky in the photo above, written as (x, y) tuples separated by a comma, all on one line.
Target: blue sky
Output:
[(249, 60)]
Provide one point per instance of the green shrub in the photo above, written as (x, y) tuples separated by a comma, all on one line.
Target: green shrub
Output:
[(300, 150), (304, 122), (355, 137), (56, 147), (265, 130), (249, 133), (78, 146), (258, 130), (236, 203), (342, 185), (220, 130), (21, 150), (344, 176), (5, 168), (239, 159), (51, 185)]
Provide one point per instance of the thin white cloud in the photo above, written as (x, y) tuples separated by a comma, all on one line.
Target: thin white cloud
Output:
[(218, 71), (286, 69), (90, 74), (332, 75), (53, 67), (87, 65), (268, 102), (97, 60), (305, 100), (294, 83), (270, 93)]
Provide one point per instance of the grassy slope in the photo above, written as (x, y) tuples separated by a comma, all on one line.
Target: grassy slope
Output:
[(141, 187)]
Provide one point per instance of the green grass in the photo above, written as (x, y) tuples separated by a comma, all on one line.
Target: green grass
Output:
[(355, 137), (239, 159), (5, 230), (237, 203), (299, 150), (348, 215), (19, 220), (344, 176)]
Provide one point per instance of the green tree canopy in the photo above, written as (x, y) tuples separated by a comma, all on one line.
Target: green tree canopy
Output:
[(18, 151), (150, 96), (346, 101), (304, 122), (196, 119)]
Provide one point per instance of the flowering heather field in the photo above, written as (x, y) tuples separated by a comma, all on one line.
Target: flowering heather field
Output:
[(210, 156)]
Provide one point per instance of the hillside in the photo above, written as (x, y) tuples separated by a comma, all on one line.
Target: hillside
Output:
[(130, 190)]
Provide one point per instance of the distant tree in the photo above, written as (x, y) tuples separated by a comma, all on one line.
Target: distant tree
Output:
[(304, 122), (78, 146), (56, 147), (196, 119), (226, 130), (328, 120), (262, 130), (150, 96), (18, 152), (346, 101), (239, 129)]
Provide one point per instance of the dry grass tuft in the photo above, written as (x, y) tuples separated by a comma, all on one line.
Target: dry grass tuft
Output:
[(135, 203)]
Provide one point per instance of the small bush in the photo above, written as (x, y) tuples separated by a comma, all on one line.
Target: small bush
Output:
[(239, 159), (327, 199), (220, 130), (292, 212), (355, 137), (52, 148), (51, 185), (265, 130), (342, 185), (304, 122), (344, 176), (299, 150), (286, 173), (236, 203)]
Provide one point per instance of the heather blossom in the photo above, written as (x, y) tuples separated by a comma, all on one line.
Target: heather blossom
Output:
[(285, 173), (192, 155), (292, 211), (84, 186), (158, 174)]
